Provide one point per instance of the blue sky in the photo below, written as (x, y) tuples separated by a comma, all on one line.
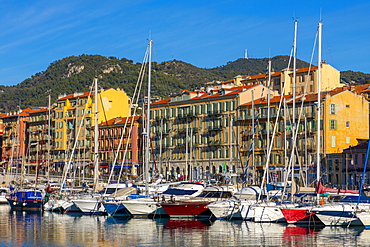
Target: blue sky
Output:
[(205, 33)]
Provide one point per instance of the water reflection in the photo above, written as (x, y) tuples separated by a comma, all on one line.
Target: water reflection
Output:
[(187, 224), (117, 220), (300, 235), (52, 229)]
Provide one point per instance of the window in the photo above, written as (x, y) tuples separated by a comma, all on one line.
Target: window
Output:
[(332, 109), (333, 124), (347, 106), (333, 141), (347, 124), (348, 140), (278, 142)]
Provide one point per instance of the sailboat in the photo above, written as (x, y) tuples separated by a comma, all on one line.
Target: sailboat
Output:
[(364, 214), (237, 207), (147, 205), (304, 214), (351, 210), (342, 213), (93, 204)]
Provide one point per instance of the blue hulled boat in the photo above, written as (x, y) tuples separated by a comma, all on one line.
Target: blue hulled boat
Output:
[(26, 200)]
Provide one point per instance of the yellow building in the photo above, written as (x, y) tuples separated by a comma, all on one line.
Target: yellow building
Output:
[(306, 80), (74, 119), (346, 119)]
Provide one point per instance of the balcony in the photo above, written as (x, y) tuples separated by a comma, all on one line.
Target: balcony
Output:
[(214, 143), (214, 113), (181, 131), (309, 114), (215, 128)]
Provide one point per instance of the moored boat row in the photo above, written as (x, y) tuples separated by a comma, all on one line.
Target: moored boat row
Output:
[(221, 202)]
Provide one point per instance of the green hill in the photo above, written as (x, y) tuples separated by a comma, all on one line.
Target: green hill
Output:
[(76, 73)]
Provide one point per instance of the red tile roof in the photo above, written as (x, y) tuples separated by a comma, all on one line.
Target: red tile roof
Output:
[(302, 70), (24, 112), (79, 95), (263, 100), (204, 95), (259, 76), (163, 101), (121, 120)]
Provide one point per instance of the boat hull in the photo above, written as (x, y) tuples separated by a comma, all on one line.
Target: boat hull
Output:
[(32, 205), (26, 200), (116, 209), (90, 206), (231, 209), (338, 215), (224, 209), (300, 216), (145, 208), (186, 209), (364, 217), (267, 214)]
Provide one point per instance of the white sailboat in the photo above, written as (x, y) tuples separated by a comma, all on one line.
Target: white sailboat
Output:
[(237, 207), (148, 205), (94, 203), (342, 213)]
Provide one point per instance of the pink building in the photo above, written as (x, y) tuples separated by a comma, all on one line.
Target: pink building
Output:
[(129, 155)]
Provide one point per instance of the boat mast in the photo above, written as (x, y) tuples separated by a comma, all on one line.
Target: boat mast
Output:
[(96, 136), (293, 129), (147, 151), (268, 122), (318, 109), (187, 151), (49, 135), (253, 135)]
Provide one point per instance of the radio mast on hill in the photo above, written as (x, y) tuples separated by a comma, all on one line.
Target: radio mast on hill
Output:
[(246, 54)]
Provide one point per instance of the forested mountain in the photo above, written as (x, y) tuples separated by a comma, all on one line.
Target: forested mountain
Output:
[(76, 73), (349, 76)]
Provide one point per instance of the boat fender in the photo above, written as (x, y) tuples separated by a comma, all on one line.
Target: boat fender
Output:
[(14, 203), (322, 201), (47, 195), (24, 204)]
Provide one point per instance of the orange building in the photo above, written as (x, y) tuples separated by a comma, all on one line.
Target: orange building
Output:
[(120, 145), (15, 138)]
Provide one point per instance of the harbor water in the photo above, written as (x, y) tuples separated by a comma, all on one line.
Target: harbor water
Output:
[(53, 229)]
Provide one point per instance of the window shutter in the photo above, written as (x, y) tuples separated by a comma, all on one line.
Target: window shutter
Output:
[(333, 141)]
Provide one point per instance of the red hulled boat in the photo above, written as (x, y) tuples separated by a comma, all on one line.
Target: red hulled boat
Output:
[(300, 216), (189, 209)]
